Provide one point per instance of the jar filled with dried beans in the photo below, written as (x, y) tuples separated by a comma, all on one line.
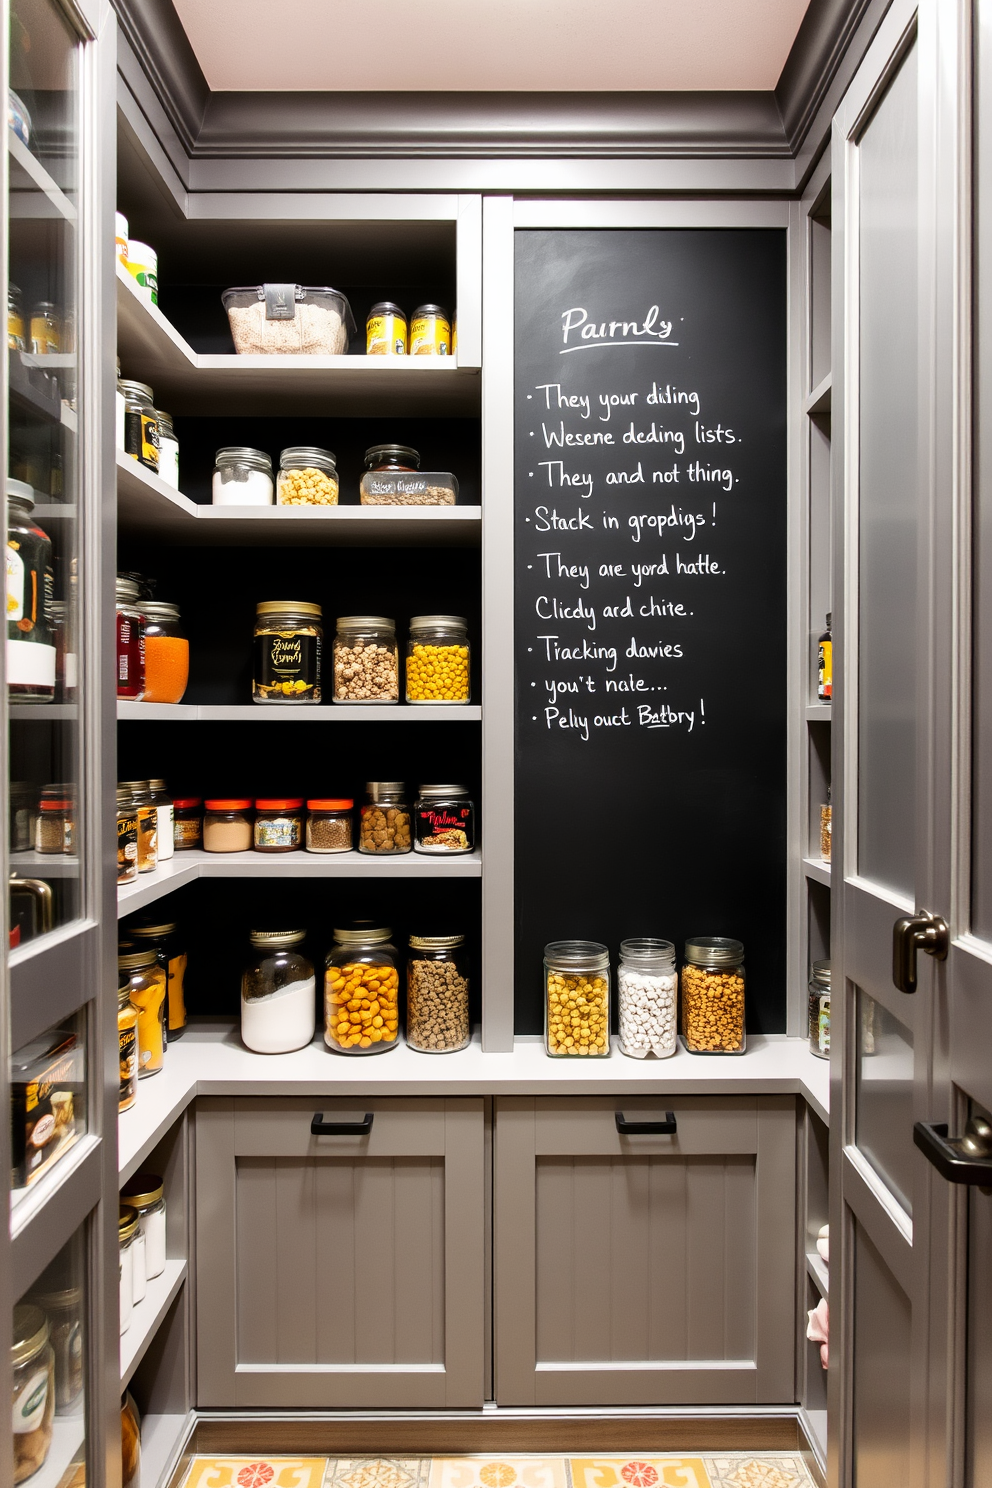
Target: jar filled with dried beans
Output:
[(366, 660), (361, 990), (713, 995), (437, 1015), (329, 825), (385, 824)]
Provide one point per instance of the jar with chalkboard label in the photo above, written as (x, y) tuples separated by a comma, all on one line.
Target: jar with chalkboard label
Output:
[(713, 995), (819, 1009), (577, 999)]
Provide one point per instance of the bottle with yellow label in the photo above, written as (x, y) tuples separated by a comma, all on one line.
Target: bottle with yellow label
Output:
[(141, 437), (46, 337), (825, 664), (430, 331), (385, 330)]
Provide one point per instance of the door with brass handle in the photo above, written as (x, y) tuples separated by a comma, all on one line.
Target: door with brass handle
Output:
[(912, 933)]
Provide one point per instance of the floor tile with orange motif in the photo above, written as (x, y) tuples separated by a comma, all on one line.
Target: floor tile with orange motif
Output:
[(256, 1471)]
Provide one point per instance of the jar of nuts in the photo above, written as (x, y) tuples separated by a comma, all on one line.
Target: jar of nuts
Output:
[(385, 824), (437, 660), (308, 476), (366, 660), (713, 996), (361, 990), (437, 1019), (577, 1000)]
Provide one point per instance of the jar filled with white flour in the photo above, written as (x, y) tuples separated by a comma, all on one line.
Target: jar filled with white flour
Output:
[(647, 984), (278, 1009)]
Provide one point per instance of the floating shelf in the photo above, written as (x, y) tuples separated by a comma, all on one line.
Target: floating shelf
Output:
[(818, 1270), (817, 869), (48, 712), (34, 193), (818, 401), (147, 1315), (817, 712), (44, 865), (307, 713)]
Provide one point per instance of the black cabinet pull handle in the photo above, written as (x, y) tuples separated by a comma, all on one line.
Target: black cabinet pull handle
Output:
[(966, 1159), (321, 1128), (666, 1128)]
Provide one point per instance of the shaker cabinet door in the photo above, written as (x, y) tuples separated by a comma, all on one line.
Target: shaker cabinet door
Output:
[(343, 1269), (644, 1269)]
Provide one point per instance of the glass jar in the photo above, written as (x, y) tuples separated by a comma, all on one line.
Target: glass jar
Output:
[(146, 813), (227, 825), (46, 329), (385, 330), (168, 450), (826, 828), (141, 436), (16, 339), (444, 820), (289, 637), (127, 837), (170, 952), (145, 1194), (55, 824), (187, 822), (63, 1309), (385, 820), (278, 994), (127, 1228), (819, 1009), (308, 476), (385, 457), (130, 641), (437, 1013), (146, 987), (23, 810), (33, 1388), (162, 801), (438, 660), (242, 477), (366, 660), (430, 331), (362, 990), (127, 1038), (166, 653), (647, 997), (713, 996), (577, 999), (30, 581), (279, 824), (329, 825), (130, 1442)]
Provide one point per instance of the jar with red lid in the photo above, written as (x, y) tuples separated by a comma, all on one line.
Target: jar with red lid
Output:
[(227, 824), (329, 825), (278, 824), (130, 641), (187, 822), (55, 824)]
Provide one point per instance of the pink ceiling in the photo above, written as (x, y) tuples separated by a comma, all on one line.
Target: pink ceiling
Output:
[(587, 45)]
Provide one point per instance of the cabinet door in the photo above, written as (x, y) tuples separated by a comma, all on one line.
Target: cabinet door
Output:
[(343, 1270), (645, 1269)]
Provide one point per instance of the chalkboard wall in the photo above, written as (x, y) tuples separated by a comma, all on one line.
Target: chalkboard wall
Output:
[(650, 596)]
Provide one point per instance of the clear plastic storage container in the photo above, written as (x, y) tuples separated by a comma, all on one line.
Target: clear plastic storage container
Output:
[(289, 320), (393, 478)]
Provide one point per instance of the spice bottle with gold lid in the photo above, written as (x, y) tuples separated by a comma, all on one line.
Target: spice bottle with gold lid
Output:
[(146, 984), (146, 813), (127, 837), (289, 636), (164, 936)]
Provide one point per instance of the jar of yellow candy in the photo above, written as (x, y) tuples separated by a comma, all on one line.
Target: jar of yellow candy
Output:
[(362, 990), (577, 999), (438, 660)]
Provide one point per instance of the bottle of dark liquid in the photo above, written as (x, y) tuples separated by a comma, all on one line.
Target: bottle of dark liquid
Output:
[(825, 664)]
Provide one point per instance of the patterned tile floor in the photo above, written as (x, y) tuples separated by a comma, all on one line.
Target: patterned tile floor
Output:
[(723, 1470)]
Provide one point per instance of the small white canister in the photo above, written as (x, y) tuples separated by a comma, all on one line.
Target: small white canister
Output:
[(142, 262)]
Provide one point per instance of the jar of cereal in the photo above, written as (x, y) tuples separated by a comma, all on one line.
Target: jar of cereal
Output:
[(577, 999), (361, 990), (713, 995), (366, 660)]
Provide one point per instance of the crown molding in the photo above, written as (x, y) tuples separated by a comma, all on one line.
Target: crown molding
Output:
[(156, 36), (826, 32)]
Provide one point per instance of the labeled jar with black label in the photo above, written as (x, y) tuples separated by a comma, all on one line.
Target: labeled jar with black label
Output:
[(127, 837), (141, 436), (385, 330), (430, 331), (146, 983), (825, 664), (289, 635), (170, 953), (30, 642), (147, 814), (279, 824), (130, 641), (127, 1039), (444, 820)]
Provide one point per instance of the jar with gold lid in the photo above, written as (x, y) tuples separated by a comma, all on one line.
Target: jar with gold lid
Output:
[(127, 1039), (146, 986), (33, 1388), (289, 637)]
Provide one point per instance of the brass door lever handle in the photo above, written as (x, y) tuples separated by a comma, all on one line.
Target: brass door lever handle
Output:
[(924, 932)]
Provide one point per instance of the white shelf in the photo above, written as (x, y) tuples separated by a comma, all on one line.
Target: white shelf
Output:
[(307, 713), (48, 712), (817, 712), (162, 1437), (33, 192), (818, 400), (817, 870), (147, 1315), (68, 1435), (44, 865), (819, 1271)]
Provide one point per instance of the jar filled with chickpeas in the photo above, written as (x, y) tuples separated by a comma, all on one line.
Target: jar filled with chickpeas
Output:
[(366, 660), (713, 996), (577, 999), (385, 819), (361, 990), (437, 660), (308, 476)]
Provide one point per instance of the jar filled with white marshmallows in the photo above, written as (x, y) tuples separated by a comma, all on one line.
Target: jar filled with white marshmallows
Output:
[(647, 984)]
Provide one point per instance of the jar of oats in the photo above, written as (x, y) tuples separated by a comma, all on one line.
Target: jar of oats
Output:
[(366, 660), (385, 824), (713, 996)]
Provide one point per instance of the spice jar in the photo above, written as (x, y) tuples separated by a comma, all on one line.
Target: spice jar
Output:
[(127, 1228), (145, 1194), (279, 824), (33, 1388), (30, 642), (308, 476), (127, 1038), (146, 813), (242, 477), (227, 825), (15, 319), (166, 653), (289, 636), (366, 660), (437, 660), (170, 952), (146, 986), (385, 330), (187, 822), (444, 820), (713, 996), (385, 820), (63, 1310), (140, 423), (168, 450), (130, 641), (826, 828), (819, 1009), (23, 809), (361, 990), (329, 827), (127, 837), (647, 996), (437, 1018), (577, 999), (130, 1442), (278, 993), (55, 824), (45, 330), (430, 331)]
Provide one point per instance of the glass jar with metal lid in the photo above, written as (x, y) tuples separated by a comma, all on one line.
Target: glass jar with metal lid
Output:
[(33, 1389), (16, 337), (385, 330), (146, 984), (430, 331), (647, 998), (63, 1309), (166, 652), (162, 802), (438, 660), (30, 641), (46, 329), (403, 457), (145, 1194), (308, 476), (819, 1009), (443, 820), (127, 837), (130, 640), (23, 809), (278, 994), (577, 999), (713, 995), (140, 423), (146, 813), (127, 1229), (127, 1039), (165, 938), (289, 638), (242, 477), (168, 450), (366, 660), (279, 824), (361, 990), (437, 988), (385, 819)]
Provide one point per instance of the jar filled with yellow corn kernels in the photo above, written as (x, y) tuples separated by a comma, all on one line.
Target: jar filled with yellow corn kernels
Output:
[(362, 990), (713, 996), (308, 476), (577, 999), (438, 660)]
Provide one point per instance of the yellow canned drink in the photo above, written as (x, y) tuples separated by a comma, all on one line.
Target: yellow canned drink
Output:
[(385, 330), (430, 331)]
